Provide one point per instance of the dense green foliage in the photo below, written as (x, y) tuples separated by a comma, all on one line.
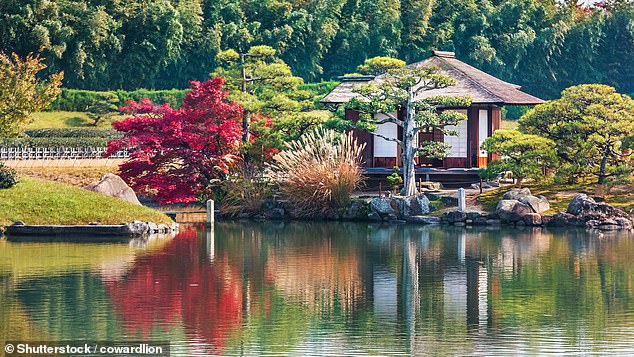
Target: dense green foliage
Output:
[(22, 92), (591, 126), (63, 137), (544, 46), (525, 155), (8, 176), (73, 133)]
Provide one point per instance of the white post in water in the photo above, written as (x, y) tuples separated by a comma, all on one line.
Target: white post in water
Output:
[(462, 200), (210, 212)]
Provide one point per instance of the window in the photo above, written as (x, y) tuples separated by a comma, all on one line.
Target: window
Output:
[(458, 143)]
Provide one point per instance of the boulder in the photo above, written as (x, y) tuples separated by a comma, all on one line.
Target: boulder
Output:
[(275, 213), (563, 219), (537, 204), (516, 194), (511, 211), (624, 223), (356, 210), (113, 185), (454, 216), (598, 215), (400, 207), (480, 221), (532, 219), (423, 220), (374, 217)]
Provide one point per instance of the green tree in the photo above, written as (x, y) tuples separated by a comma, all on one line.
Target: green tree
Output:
[(398, 91), (525, 155), (379, 65), (589, 126), (265, 85), (22, 92)]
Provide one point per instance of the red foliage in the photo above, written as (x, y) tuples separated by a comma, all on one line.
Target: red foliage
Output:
[(177, 153)]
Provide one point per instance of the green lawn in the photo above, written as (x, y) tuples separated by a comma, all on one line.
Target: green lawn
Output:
[(509, 124), (62, 119), (560, 195), (37, 201)]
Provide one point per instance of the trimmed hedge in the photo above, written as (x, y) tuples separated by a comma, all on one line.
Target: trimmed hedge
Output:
[(73, 133), (55, 142), (77, 100)]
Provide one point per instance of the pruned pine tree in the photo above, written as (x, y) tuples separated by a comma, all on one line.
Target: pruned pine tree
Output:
[(397, 95)]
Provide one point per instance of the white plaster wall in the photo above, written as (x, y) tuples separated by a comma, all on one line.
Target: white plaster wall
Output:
[(382, 147), (483, 131)]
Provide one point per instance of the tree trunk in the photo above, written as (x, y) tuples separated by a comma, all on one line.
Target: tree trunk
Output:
[(602, 167), (409, 150)]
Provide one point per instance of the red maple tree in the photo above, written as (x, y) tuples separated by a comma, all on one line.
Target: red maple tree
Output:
[(177, 154)]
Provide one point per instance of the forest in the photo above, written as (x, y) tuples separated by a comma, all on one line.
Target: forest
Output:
[(543, 45)]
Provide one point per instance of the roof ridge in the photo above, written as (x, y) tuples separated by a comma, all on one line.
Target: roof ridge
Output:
[(471, 79)]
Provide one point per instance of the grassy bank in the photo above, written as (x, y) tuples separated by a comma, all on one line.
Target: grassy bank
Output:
[(62, 119), (37, 201), (560, 195)]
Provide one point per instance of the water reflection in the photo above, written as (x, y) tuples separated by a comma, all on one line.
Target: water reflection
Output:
[(328, 288)]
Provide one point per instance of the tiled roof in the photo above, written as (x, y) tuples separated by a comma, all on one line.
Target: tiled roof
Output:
[(482, 87)]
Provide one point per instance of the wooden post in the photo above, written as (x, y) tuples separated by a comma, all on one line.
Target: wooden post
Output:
[(380, 195), (462, 200), (210, 212)]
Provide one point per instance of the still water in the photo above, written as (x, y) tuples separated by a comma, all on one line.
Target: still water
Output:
[(330, 289)]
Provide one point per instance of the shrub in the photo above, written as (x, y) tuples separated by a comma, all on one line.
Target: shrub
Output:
[(75, 100), (55, 142), (73, 133), (318, 173), (8, 176), (394, 180), (245, 191)]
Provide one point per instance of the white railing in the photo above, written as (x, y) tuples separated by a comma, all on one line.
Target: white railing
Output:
[(56, 153)]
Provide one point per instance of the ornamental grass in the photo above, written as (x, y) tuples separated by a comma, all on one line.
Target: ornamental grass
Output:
[(318, 173)]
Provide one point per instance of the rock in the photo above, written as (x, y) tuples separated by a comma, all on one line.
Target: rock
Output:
[(516, 194), (275, 213), (563, 219), (624, 223), (473, 215), (139, 228), (400, 207), (397, 221), (243, 215), (520, 224), (493, 222), (510, 211), (449, 201), (546, 219), (532, 219), (374, 217), (586, 208), (152, 227), (454, 216), (356, 210), (460, 224), (18, 223), (268, 204), (113, 185), (162, 228), (433, 196), (423, 220), (480, 221), (538, 204)]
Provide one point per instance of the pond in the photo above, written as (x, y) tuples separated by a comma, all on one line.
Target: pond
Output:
[(330, 289)]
